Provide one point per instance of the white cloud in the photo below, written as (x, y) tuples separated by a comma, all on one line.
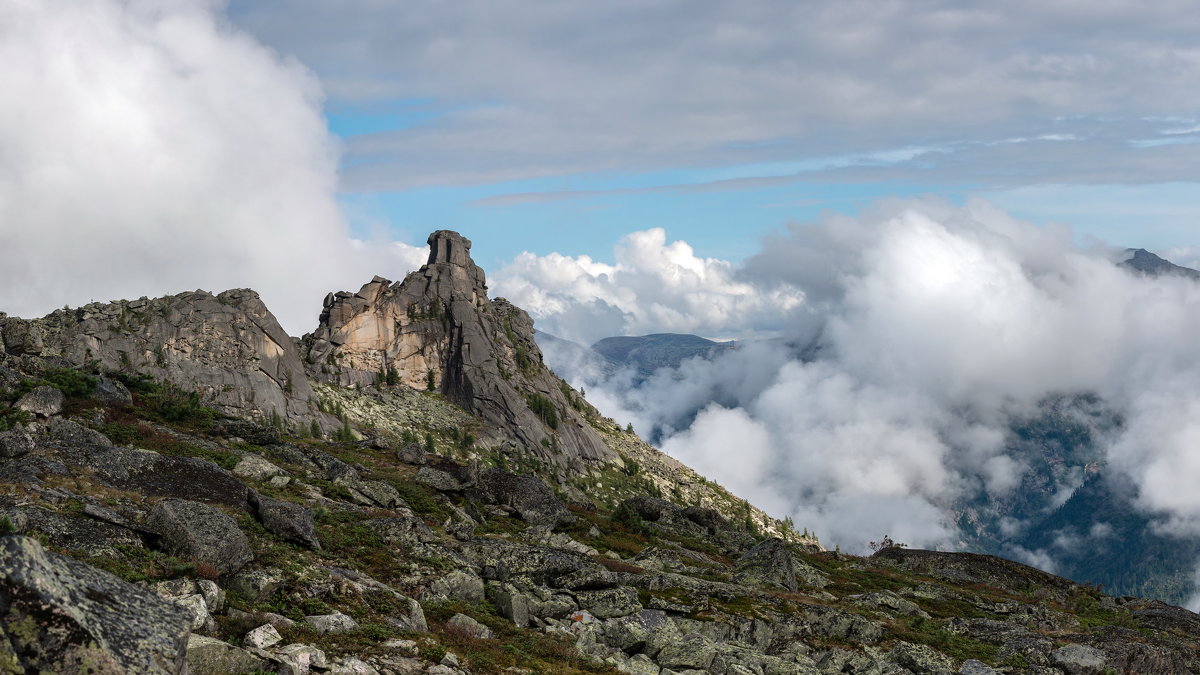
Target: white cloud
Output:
[(654, 286), (938, 325), (150, 147)]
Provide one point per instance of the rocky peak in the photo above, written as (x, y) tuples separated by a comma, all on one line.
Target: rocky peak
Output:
[(437, 330)]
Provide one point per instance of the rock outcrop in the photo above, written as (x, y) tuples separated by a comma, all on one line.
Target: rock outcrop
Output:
[(438, 330), (229, 347)]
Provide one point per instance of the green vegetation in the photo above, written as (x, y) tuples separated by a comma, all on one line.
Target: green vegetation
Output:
[(544, 409)]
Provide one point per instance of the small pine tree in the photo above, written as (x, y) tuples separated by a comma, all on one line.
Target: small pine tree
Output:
[(429, 446), (314, 429), (629, 428), (429, 381), (392, 378)]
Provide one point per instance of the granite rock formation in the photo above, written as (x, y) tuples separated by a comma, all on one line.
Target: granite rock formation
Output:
[(438, 330)]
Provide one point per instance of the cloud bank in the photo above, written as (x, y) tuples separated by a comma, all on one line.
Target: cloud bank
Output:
[(1027, 92), (653, 286), (150, 147), (936, 326)]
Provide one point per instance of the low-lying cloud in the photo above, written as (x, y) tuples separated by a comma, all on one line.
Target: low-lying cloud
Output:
[(935, 327)]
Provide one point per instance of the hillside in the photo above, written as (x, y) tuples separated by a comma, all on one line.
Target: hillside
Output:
[(409, 489)]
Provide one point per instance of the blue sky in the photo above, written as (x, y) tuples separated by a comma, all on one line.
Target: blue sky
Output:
[(562, 131)]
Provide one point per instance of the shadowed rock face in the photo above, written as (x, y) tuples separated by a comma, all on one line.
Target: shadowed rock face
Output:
[(227, 347), (438, 330)]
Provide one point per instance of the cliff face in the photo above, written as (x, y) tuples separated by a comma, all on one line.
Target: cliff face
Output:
[(438, 330), (229, 347)]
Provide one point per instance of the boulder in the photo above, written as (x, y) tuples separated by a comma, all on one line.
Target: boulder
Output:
[(285, 519), (263, 637), (693, 651), (532, 499), (327, 624), (768, 564), (43, 401), (459, 585), (300, 659), (62, 616), (921, 659), (411, 618), (159, 475), (1077, 659), (255, 467), (405, 528), (257, 585), (210, 656), (511, 604), (15, 443), (112, 392), (200, 533), (468, 627), (68, 431), (609, 603), (250, 432), (437, 479)]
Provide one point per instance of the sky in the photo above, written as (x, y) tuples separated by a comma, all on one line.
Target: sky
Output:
[(935, 192)]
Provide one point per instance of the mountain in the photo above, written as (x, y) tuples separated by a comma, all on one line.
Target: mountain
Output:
[(1147, 263), (408, 489), (648, 353)]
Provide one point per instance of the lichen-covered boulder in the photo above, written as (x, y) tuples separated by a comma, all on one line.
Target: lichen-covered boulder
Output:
[(42, 401), (15, 443), (210, 656), (768, 564), (200, 533), (290, 521), (532, 499), (62, 616)]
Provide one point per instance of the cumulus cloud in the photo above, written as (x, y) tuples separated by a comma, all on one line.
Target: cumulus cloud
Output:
[(654, 285), (150, 147), (938, 327)]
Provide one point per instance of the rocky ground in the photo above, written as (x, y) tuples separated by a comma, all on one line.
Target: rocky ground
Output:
[(145, 532)]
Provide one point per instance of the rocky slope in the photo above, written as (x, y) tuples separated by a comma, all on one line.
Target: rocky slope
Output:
[(143, 531)]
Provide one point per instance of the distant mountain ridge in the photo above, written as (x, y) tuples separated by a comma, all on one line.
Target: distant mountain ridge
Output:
[(1148, 263), (648, 353)]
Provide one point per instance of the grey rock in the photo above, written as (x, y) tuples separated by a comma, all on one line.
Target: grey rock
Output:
[(250, 432), (112, 392), (973, 667), (646, 631), (263, 637), (693, 651), (43, 401), (511, 604), (201, 533), (300, 659), (1077, 659), (158, 475), (71, 616), (437, 479), (285, 519), (210, 656), (609, 603), (459, 585), (412, 618), (228, 348), (15, 443), (257, 585), (411, 453), (532, 499), (468, 627), (331, 623), (438, 327), (921, 659), (405, 528), (768, 564), (68, 431), (21, 337), (254, 467)]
